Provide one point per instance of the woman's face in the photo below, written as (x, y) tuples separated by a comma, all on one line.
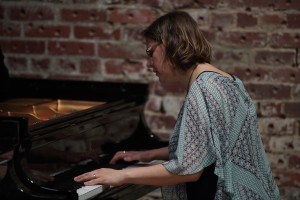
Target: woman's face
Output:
[(158, 63)]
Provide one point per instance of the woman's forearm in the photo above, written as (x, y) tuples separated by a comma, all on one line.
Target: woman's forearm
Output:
[(156, 175), (143, 156), (158, 154), (151, 175)]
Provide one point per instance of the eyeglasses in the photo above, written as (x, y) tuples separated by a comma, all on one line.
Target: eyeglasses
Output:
[(150, 50)]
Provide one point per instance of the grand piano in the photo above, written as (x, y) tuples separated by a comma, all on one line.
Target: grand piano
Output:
[(53, 130)]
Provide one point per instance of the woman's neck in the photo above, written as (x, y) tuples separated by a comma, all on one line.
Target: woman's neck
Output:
[(194, 73), (190, 74)]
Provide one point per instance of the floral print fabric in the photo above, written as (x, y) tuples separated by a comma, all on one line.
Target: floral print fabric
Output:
[(217, 124)]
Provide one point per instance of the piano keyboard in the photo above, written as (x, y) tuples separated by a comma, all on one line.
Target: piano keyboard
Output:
[(87, 192), (64, 179)]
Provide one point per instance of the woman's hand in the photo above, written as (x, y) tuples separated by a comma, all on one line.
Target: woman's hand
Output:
[(103, 176), (142, 156), (129, 156)]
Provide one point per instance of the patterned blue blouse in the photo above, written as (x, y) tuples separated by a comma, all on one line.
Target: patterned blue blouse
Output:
[(218, 124)]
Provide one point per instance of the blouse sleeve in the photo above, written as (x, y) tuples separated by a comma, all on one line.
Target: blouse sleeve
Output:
[(191, 144)]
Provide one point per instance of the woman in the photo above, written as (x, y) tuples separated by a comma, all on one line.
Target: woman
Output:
[(215, 150)]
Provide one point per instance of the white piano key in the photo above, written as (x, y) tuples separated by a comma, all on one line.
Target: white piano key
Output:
[(87, 192)]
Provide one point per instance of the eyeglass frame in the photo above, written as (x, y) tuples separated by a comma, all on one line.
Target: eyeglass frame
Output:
[(150, 50)]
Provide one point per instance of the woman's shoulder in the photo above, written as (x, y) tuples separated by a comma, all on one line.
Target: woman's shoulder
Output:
[(206, 78)]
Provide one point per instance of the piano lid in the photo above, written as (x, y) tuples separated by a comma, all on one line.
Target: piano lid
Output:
[(72, 90)]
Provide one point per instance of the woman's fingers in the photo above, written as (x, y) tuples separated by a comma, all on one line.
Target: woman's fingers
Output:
[(121, 155), (85, 177), (126, 156), (103, 176)]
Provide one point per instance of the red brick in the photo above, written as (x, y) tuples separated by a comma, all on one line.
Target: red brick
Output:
[(67, 66), (71, 48), (170, 5), (128, 51), (287, 178), (133, 33), (246, 20), (19, 46), (123, 67), (81, 15), (269, 91), (248, 4), (278, 126), (113, 67), (244, 39), (210, 35), (51, 31), (10, 29), (131, 16), (221, 20), (275, 58), (265, 140), (99, 32), (289, 40), (292, 109), (237, 3), (223, 55), (40, 64), (89, 66), (183, 4), (252, 74), (208, 3), (16, 64), (133, 67), (31, 13), (154, 3), (261, 4), (270, 109), (273, 20), (286, 75), (278, 161), (293, 21), (294, 162), (201, 17), (296, 92), (287, 5), (284, 144)]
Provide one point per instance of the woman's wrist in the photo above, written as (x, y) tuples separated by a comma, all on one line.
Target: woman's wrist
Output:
[(148, 156)]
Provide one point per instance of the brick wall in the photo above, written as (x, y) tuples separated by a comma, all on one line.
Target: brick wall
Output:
[(258, 40)]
